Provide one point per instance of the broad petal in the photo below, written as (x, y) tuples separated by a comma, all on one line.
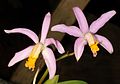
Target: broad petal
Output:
[(25, 31), (105, 43), (81, 19), (71, 30), (79, 47), (57, 44), (50, 61), (21, 55), (45, 27), (97, 24)]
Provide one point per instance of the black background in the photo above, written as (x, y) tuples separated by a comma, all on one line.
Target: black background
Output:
[(104, 69)]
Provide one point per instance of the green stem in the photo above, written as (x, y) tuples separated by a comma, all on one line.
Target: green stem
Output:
[(43, 77), (46, 72), (66, 55)]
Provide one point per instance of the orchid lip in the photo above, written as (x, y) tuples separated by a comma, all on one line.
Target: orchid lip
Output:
[(30, 63)]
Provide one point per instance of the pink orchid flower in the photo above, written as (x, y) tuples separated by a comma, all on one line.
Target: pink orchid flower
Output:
[(87, 34), (32, 52)]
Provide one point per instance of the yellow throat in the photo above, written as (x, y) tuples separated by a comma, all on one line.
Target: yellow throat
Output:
[(93, 43), (30, 63)]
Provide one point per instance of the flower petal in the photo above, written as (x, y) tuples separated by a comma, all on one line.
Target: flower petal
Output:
[(50, 61), (79, 47), (25, 31), (57, 44), (71, 30), (81, 19), (105, 43), (97, 24), (45, 27), (19, 56)]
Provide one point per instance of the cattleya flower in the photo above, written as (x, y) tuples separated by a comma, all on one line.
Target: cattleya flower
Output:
[(87, 34), (33, 51)]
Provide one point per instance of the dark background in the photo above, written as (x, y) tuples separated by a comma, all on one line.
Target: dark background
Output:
[(104, 69)]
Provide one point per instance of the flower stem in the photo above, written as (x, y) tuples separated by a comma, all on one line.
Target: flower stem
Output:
[(46, 72), (36, 74), (43, 76), (66, 55)]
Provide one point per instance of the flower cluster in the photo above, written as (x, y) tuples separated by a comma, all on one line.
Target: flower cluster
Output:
[(85, 34)]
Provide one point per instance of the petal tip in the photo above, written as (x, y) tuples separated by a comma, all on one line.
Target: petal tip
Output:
[(48, 14), (51, 77), (111, 51), (75, 7), (61, 52), (60, 48), (52, 29), (77, 59), (9, 65), (114, 12), (6, 31), (111, 13)]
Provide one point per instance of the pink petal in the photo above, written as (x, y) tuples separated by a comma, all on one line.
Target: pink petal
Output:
[(45, 27), (50, 61), (71, 30), (97, 24), (105, 43), (21, 55), (25, 31), (57, 44), (81, 19), (79, 47)]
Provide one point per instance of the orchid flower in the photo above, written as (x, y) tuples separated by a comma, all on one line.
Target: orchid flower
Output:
[(87, 34), (32, 52)]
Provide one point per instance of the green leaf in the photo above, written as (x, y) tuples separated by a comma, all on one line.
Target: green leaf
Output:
[(52, 81), (73, 82)]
